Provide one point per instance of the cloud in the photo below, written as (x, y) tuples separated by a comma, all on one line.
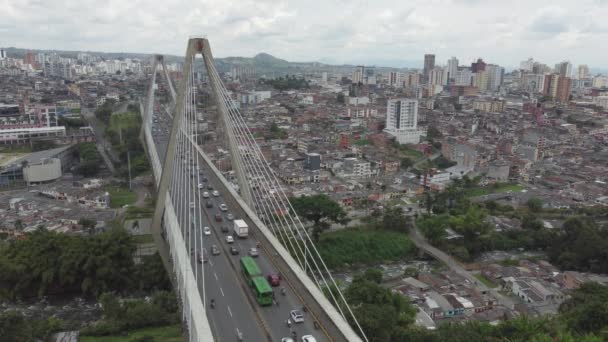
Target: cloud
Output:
[(343, 31)]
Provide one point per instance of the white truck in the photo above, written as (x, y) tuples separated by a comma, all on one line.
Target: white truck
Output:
[(241, 229)]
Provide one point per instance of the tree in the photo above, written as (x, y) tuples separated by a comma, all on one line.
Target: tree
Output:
[(394, 219), (587, 309), (433, 133), (411, 272), (534, 204), (406, 163), (320, 210)]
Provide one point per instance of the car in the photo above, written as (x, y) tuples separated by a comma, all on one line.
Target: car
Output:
[(192, 205), (229, 239), (230, 217), (206, 230), (215, 250), (218, 217), (223, 207), (205, 194), (287, 339), (209, 187), (209, 204), (297, 316), (204, 257), (225, 229), (216, 193), (308, 338), (253, 252), (234, 250), (274, 280), (201, 185)]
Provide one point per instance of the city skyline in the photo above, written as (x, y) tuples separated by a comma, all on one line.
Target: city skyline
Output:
[(386, 34)]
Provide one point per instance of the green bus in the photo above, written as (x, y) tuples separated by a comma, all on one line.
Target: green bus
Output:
[(259, 284)]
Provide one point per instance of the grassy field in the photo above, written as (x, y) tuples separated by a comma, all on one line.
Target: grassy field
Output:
[(485, 281), (121, 196), (364, 246), (409, 153), (480, 191), (170, 333)]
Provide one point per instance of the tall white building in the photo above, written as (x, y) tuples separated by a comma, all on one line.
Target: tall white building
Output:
[(464, 77), (324, 77), (495, 76), (583, 71), (402, 120), (436, 77), (452, 68), (359, 74), (527, 65)]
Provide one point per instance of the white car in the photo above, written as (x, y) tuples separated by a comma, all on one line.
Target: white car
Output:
[(287, 339), (308, 338), (223, 207), (205, 194), (297, 316), (206, 230), (216, 193), (229, 239), (201, 185)]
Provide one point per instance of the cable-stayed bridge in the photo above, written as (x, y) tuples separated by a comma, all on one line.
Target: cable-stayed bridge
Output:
[(201, 189)]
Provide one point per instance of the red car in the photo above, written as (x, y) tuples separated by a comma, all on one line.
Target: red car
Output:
[(218, 217), (274, 279)]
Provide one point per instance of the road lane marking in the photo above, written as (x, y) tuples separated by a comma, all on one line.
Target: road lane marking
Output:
[(229, 311), (215, 275), (222, 291)]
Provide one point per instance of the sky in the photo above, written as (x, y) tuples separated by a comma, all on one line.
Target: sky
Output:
[(392, 33)]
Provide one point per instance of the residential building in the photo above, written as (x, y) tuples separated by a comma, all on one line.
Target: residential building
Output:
[(527, 65), (452, 68), (583, 71), (358, 74), (564, 69), (429, 64), (402, 120), (495, 76)]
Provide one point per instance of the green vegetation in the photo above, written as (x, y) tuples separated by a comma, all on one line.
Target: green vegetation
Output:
[(442, 162), (388, 317), (15, 327), (286, 83), (276, 132), (362, 142), (320, 210), (71, 122), (580, 245), (170, 333), (121, 316), (49, 263), (364, 247), (485, 281), (89, 159), (493, 189), (120, 197), (104, 112), (383, 315), (123, 132)]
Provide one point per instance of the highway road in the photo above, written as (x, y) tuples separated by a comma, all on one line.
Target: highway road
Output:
[(235, 308)]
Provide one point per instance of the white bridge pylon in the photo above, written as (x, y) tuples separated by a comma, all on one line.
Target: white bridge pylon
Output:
[(261, 198)]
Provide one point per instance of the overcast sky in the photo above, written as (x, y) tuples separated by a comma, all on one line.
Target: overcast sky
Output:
[(395, 32)]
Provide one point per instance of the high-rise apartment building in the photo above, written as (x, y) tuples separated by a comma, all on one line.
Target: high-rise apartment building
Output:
[(429, 64), (481, 80), (478, 66), (495, 76), (359, 74), (463, 77), (2, 54), (564, 69), (557, 87), (436, 77), (452, 68), (527, 65), (402, 120), (583, 71)]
